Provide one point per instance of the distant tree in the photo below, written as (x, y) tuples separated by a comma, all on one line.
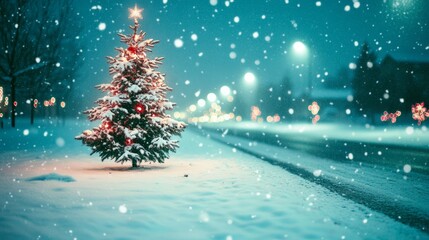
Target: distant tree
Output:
[(275, 98), (340, 80), (267, 98), (285, 96), (39, 40), (367, 90)]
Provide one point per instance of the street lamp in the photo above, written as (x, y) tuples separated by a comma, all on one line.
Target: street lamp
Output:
[(301, 51), (201, 102), (211, 97), (249, 78), (247, 94), (225, 91)]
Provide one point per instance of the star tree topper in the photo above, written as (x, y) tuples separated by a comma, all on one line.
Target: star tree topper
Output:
[(136, 12)]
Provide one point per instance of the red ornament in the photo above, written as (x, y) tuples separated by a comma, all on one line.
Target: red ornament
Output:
[(132, 49), (128, 141), (140, 108), (107, 124)]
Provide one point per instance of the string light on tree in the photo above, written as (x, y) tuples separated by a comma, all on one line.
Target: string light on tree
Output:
[(107, 124), (136, 87)]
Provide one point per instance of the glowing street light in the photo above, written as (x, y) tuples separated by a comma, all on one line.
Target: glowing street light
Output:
[(249, 78), (201, 102), (192, 108), (300, 49), (225, 91), (211, 97)]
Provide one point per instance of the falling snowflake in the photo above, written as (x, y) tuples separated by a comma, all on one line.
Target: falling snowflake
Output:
[(122, 208), (392, 116), (420, 113), (407, 168), (178, 43), (102, 26)]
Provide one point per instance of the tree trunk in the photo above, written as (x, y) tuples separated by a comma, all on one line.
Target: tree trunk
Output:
[(58, 113), (13, 99), (134, 163), (64, 117), (32, 111)]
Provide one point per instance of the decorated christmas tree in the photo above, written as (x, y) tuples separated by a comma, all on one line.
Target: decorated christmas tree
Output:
[(134, 124)]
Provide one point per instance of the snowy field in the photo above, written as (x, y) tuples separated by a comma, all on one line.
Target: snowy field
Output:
[(52, 189)]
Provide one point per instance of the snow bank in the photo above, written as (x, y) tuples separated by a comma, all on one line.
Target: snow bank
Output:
[(388, 134)]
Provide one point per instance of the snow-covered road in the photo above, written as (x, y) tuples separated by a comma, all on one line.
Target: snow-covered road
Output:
[(207, 190), (402, 196)]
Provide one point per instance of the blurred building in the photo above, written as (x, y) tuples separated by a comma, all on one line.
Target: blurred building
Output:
[(406, 79), (335, 104)]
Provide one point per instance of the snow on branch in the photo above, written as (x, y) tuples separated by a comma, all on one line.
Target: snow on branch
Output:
[(30, 68)]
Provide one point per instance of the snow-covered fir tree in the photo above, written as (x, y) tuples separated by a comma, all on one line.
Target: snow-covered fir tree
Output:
[(134, 124)]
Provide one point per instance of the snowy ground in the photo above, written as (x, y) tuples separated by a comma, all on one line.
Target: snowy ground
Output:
[(226, 195)]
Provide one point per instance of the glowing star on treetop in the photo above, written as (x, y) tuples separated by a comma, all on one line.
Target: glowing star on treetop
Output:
[(136, 12)]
